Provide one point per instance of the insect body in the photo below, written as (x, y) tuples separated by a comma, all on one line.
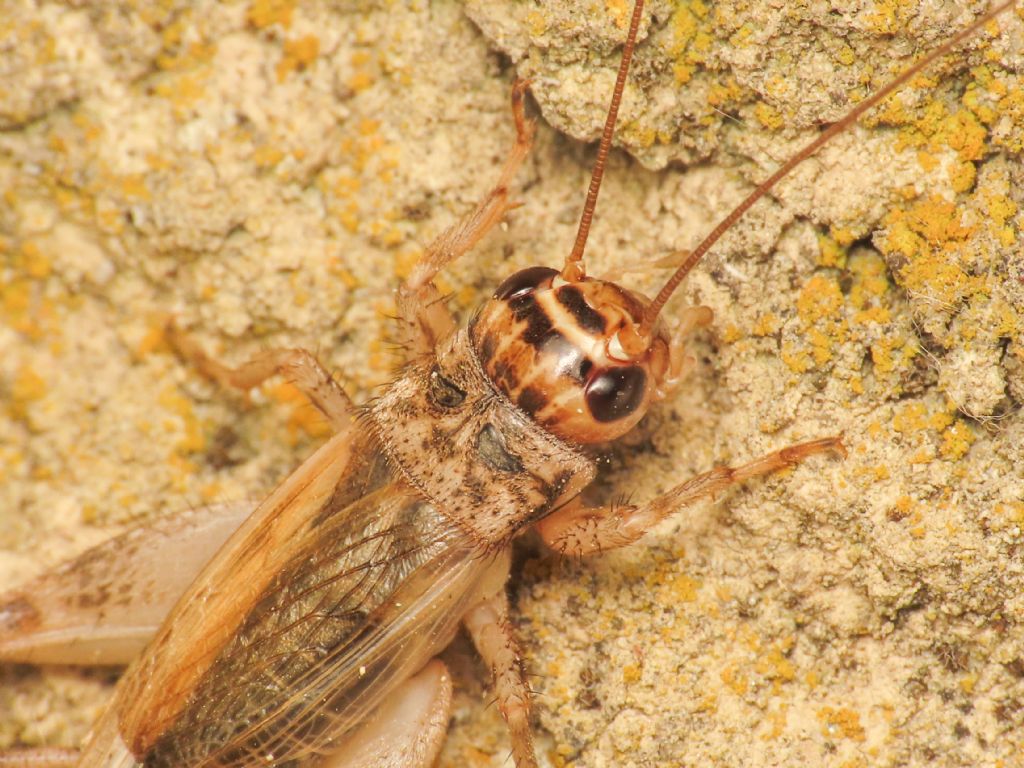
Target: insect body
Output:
[(318, 618)]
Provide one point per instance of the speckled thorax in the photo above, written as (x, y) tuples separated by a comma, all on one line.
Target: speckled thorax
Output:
[(478, 458)]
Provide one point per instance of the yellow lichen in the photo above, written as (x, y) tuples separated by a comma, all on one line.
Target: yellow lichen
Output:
[(266, 13), (735, 680), (768, 116), (767, 324), (298, 54), (830, 252), (956, 441), (842, 722)]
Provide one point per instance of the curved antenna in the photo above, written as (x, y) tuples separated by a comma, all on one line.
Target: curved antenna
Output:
[(573, 270), (845, 122)]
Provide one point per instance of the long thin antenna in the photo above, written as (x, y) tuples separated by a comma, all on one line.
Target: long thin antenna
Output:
[(836, 128), (573, 269)]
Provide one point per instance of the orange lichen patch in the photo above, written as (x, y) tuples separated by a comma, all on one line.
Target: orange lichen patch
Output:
[(183, 90), (870, 278), (133, 187), (690, 41), (26, 388), (32, 262), (889, 355), (194, 438), (298, 54), (1000, 209), (767, 324), (768, 116), (360, 81), (267, 156), (155, 337), (1012, 106), (731, 333), (830, 252), (820, 310), (1012, 511), (915, 418), (735, 680), (884, 18), (963, 132), (902, 508), (820, 299), (957, 440), (680, 589), (774, 665), (797, 360), (27, 309), (632, 673), (537, 22), (962, 176), (266, 13), (303, 418), (842, 722), (843, 236), (724, 94), (619, 10), (927, 237), (187, 58), (911, 418), (637, 133), (776, 723), (968, 683)]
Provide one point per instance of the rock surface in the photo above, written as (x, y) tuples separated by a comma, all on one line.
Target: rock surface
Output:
[(265, 171)]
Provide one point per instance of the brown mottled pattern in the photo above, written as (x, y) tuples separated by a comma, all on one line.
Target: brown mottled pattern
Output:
[(491, 468)]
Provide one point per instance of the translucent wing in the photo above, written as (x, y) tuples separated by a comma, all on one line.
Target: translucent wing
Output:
[(374, 585)]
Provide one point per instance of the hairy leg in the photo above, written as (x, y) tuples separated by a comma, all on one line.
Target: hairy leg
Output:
[(297, 365), (576, 530), (421, 307), (488, 624)]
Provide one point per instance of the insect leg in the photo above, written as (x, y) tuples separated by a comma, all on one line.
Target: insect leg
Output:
[(406, 730), (43, 757), (421, 307), (576, 530), (680, 363), (488, 624), (299, 366)]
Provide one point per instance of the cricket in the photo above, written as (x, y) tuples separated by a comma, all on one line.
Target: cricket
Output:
[(305, 629)]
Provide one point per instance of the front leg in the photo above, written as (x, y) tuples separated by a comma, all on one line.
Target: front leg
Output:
[(299, 366), (488, 624), (577, 530), (421, 307)]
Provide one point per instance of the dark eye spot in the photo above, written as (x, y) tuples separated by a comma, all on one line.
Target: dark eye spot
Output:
[(615, 393), (443, 392), (524, 281), (491, 447)]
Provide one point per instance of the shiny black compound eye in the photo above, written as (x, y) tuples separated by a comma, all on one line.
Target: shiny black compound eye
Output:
[(524, 281), (444, 392), (615, 393)]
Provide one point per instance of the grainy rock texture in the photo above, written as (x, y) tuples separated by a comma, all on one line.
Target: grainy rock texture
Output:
[(265, 171)]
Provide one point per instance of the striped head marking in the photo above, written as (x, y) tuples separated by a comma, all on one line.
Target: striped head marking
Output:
[(570, 354)]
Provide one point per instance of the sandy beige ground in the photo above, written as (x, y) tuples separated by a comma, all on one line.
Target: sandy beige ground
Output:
[(265, 171)]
